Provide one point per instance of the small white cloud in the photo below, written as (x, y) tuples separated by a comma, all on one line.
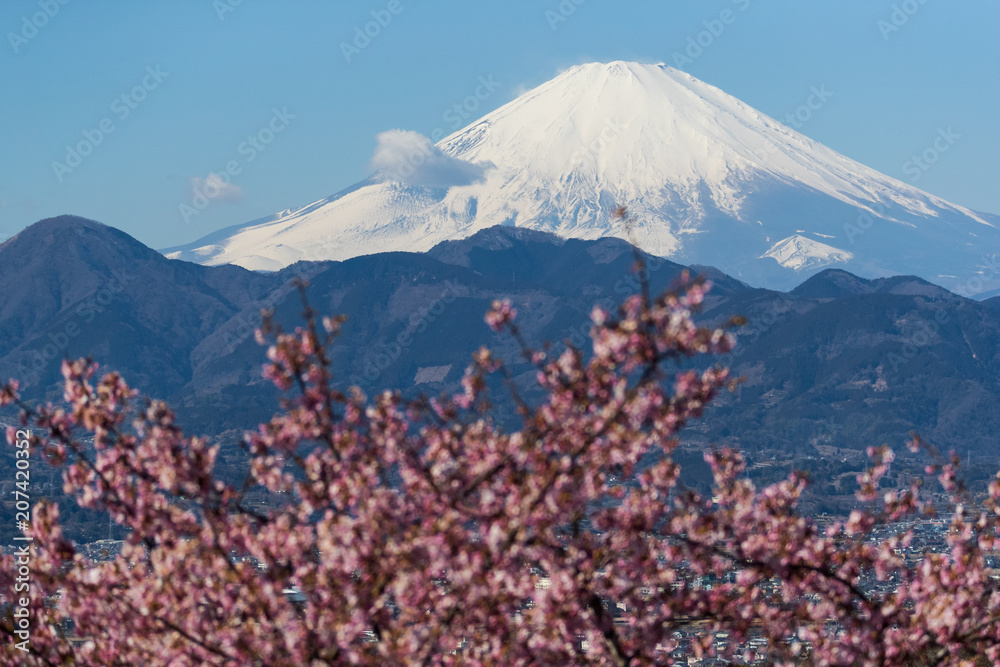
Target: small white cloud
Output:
[(215, 188), (410, 157)]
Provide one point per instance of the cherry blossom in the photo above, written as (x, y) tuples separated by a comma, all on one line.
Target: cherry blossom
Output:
[(422, 532)]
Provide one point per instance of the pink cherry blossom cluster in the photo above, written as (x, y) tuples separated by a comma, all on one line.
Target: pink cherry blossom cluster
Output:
[(421, 532)]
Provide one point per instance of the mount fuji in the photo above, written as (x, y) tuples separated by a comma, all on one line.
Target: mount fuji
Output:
[(707, 180)]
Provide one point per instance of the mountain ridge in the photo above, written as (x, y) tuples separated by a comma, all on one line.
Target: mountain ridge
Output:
[(708, 179), (876, 358)]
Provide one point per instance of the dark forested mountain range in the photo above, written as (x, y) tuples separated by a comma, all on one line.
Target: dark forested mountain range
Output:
[(837, 364)]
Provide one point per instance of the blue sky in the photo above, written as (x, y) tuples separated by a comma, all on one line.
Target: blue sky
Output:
[(164, 93)]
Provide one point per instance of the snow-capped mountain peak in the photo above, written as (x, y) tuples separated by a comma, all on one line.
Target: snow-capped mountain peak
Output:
[(799, 252), (708, 180)]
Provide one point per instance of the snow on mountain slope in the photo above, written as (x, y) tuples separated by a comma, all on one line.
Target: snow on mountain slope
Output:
[(707, 179), (798, 252)]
